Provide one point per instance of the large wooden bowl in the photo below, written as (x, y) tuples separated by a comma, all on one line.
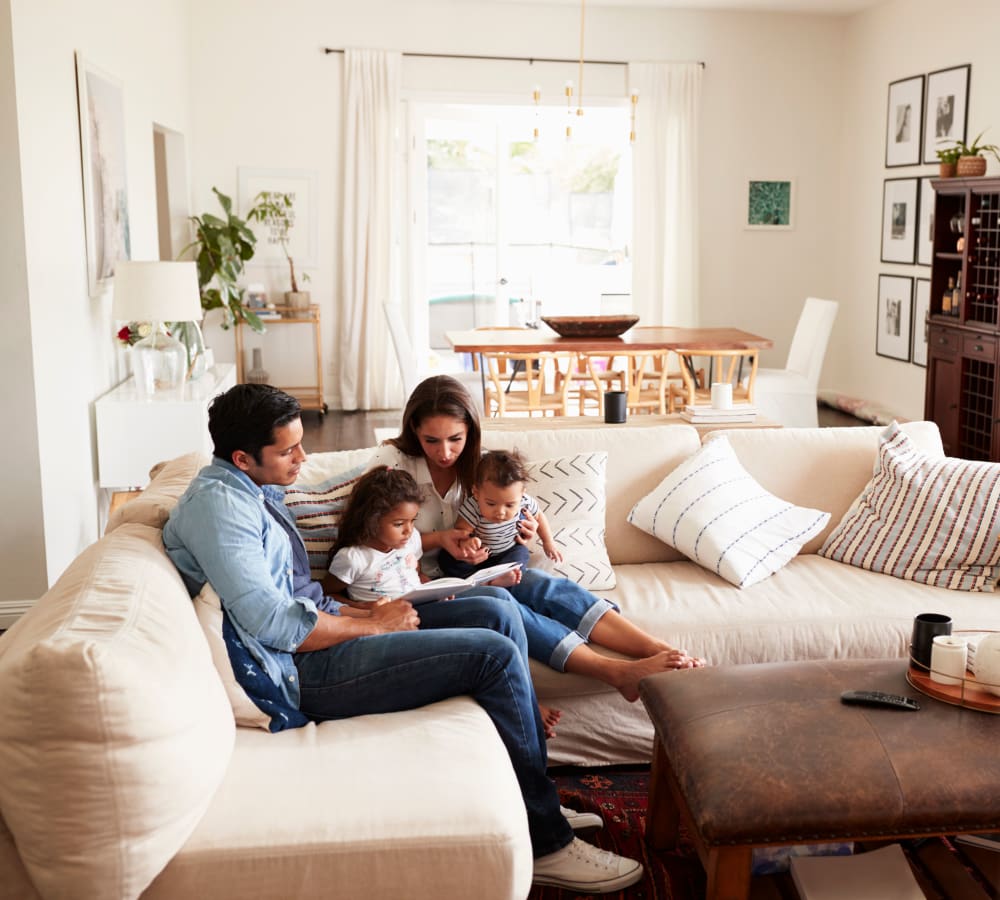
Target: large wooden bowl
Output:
[(590, 326)]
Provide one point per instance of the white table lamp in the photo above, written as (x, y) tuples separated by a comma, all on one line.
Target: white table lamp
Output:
[(157, 292)]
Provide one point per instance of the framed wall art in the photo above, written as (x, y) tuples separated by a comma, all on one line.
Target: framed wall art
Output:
[(947, 109), (893, 320), (904, 122), (921, 307), (303, 241), (925, 223), (105, 188), (770, 204), (899, 220)]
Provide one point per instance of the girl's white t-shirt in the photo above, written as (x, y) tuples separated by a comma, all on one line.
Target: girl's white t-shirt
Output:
[(437, 512), (371, 574)]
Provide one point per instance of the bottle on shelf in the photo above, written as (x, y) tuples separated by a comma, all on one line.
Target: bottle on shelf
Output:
[(946, 298), (956, 297)]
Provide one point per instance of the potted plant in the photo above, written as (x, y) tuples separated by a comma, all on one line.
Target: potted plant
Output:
[(949, 159), (276, 210), (970, 161), (222, 248)]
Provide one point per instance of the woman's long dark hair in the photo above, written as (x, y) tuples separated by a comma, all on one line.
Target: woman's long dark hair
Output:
[(377, 492), (442, 395)]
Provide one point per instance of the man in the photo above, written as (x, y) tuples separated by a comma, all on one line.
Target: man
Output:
[(329, 661)]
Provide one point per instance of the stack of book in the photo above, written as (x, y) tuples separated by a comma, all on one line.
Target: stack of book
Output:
[(267, 313), (882, 874), (708, 415)]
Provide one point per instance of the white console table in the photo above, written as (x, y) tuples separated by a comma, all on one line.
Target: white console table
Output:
[(136, 431)]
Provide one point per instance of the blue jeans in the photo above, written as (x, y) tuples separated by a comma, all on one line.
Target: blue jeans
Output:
[(472, 645), (558, 615), (459, 568)]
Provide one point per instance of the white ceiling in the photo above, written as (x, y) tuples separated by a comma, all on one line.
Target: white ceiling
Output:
[(817, 7)]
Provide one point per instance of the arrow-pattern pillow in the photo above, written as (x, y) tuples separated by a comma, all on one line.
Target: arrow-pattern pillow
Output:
[(570, 491)]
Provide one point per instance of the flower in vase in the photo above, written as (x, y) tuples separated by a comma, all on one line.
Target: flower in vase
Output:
[(134, 332)]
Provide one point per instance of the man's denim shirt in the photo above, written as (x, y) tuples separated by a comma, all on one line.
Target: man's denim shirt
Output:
[(220, 532)]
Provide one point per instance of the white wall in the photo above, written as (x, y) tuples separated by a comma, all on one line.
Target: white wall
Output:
[(898, 40), (72, 354), (768, 110)]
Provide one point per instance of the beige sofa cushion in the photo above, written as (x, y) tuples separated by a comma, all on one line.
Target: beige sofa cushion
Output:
[(168, 480), (114, 729), (822, 468), (420, 804)]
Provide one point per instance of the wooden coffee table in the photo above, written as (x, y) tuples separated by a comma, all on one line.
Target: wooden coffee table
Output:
[(750, 756)]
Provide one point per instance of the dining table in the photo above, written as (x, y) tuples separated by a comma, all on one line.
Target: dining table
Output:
[(638, 338)]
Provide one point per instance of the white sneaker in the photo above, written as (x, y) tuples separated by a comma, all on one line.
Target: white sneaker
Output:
[(580, 820), (582, 867)]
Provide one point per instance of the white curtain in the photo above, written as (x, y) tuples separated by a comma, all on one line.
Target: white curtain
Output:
[(371, 112), (665, 193)]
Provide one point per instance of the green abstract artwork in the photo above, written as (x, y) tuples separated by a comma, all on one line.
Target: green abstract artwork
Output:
[(769, 204)]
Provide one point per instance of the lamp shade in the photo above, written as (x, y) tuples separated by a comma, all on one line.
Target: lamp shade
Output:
[(157, 291)]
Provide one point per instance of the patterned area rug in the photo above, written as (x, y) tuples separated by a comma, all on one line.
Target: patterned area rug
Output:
[(618, 795)]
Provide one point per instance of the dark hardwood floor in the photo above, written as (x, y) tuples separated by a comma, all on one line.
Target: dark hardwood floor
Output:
[(345, 430)]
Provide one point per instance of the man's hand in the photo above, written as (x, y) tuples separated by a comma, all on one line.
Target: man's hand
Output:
[(395, 615)]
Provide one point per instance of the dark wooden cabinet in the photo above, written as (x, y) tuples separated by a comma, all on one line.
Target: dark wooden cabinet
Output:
[(963, 344)]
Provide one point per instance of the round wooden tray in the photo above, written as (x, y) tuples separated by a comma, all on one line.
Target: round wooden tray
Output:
[(969, 693)]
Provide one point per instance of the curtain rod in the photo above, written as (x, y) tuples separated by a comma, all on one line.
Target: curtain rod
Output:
[(528, 59)]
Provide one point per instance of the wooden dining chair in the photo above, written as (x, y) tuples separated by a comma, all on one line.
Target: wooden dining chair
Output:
[(585, 369), (536, 388), (727, 366), (645, 377)]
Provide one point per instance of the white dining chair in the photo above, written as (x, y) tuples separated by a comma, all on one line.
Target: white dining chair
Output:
[(788, 396), (410, 370)]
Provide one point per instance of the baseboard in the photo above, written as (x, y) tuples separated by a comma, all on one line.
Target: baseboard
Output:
[(12, 610)]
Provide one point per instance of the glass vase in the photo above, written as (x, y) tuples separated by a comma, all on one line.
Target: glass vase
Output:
[(189, 334)]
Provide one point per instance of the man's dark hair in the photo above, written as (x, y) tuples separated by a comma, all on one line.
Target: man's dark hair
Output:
[(245, 416), (502, 468)]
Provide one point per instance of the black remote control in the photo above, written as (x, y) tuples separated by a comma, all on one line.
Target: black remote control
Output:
[(879, 698)]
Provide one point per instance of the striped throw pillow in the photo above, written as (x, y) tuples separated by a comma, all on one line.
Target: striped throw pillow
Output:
[(570, 491), (926, 519), (713, 511), (317, 509)]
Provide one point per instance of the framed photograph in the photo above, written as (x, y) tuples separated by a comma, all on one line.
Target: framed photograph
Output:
[(925, 223), (921, 307), (894, 319), (770, 204), (899, 220), (102, 159), (301, 185), (947, 109), (904, 122)]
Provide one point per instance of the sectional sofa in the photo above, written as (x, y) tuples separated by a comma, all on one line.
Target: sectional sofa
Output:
[(123, 773)]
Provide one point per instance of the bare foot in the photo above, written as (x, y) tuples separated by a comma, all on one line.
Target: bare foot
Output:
[(630, 672), (550, 718), (508, 579)]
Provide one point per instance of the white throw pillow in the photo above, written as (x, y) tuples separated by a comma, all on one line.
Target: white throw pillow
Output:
[(570, 491), (713, 511), (926, 519)]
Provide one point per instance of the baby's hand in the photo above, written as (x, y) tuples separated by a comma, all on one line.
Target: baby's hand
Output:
[(508, 579), (552, 552), (470, 544)]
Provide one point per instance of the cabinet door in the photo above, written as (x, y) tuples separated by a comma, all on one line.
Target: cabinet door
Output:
[(944, 386)]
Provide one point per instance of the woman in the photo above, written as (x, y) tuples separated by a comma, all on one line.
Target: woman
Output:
[(439, 445)]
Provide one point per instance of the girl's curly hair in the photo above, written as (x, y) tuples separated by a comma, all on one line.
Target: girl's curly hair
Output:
[(376, 493)]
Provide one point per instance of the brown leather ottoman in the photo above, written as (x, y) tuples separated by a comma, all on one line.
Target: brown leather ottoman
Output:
[(767, 754)]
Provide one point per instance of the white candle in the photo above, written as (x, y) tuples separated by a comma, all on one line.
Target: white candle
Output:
[(949, 655), (722, 396)]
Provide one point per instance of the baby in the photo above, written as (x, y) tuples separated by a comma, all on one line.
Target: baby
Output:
[(491, 517)]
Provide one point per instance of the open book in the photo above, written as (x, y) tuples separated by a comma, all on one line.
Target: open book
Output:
[(440, 588)]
